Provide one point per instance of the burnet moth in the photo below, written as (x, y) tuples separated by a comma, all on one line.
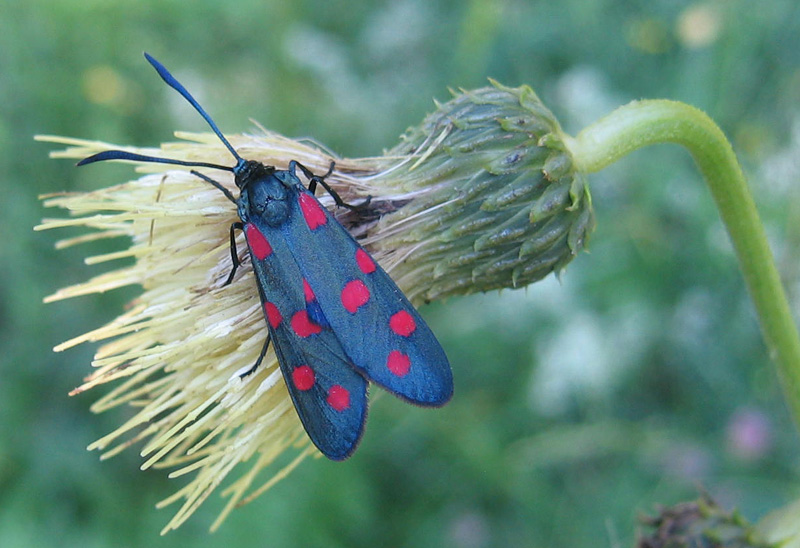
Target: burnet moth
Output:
[(336, 319)]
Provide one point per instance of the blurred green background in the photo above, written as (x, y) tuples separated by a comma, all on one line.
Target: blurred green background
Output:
[(579, 404)]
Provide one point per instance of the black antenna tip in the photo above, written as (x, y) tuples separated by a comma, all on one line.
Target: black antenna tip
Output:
[(151, 60)]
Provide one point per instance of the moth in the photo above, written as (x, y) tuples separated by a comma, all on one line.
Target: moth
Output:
[(336, 319)]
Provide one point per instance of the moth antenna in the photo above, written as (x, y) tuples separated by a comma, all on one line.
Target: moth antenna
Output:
[(177, 86), (123, 155)]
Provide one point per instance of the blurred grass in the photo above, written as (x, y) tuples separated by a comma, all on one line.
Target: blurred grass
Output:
[(578, 405)]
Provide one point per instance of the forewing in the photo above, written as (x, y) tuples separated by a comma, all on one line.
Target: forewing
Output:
[(378, 328), (329, 394)]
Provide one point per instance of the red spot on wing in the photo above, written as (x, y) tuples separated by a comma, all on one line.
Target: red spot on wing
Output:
[(398, 363), (339, 397), (354, 295), (303, 378), (303, 326), (312, 211), (273, 314), (402, 323), (308, 292), (365, 262), (257, 241)]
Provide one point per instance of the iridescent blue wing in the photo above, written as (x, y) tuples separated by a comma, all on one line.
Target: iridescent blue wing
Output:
[(379, 330), (329, 394)]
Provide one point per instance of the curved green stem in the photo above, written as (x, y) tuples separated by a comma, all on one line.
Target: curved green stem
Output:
[(644, 123)]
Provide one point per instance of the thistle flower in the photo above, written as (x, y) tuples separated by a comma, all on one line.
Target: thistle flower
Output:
[(699, 523), (482, 195)]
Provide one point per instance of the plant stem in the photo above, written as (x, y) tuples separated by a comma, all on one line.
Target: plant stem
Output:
[(644, 123)]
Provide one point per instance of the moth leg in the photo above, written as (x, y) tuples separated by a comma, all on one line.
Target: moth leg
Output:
[(234, 252), (258, 361), (317, 179), (216, 185)]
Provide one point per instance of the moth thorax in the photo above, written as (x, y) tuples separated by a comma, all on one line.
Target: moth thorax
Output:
[(269, 200)]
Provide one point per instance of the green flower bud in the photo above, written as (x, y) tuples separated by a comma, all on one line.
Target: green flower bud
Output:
[(495, 200)]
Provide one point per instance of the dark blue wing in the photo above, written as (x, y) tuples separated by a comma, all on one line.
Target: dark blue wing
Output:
[(378, 328), (329, 394)]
